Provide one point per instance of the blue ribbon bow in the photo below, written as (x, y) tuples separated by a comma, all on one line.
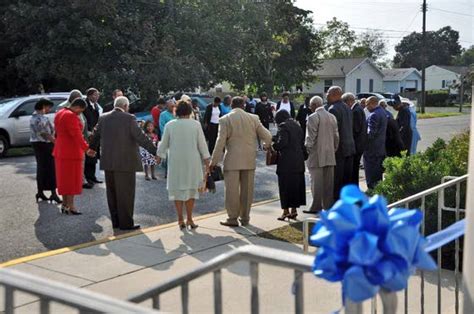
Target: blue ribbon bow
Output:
[(367, 246)]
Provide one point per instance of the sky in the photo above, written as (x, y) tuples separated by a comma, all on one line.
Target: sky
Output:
[(396, 18)]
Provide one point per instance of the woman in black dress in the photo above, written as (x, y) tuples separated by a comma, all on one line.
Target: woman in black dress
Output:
[(289, 143)]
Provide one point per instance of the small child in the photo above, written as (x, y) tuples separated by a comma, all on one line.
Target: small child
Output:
[(148, 160)]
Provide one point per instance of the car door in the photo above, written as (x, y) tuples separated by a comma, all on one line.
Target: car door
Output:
[(52, 113), (21, 119)]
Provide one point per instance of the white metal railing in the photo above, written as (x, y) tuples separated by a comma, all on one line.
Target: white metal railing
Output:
[(440, 190), (50, 291), (255, 255)]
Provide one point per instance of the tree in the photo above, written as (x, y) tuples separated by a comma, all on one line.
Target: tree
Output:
[(370, 44), (442, 47), (338, 39), (466, 58)]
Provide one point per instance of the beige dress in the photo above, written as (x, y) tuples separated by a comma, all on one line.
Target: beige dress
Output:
[(184, 146)]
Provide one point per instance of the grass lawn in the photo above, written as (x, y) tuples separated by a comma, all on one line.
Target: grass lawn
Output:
[(432, 115), (21, 151), (292, 233)]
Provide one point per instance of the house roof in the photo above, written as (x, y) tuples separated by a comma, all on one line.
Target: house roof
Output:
[(398, 74), (455, 69), (338, 67)]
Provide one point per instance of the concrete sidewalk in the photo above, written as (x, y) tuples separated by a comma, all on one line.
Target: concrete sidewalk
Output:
[(129, 264)]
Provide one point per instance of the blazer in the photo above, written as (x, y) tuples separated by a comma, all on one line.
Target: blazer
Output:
[(92, 114), (302, 115), (322, 139), (359, 128), (238, 133), (393, 142), (264, 112), (404, 120), (289, 143), (208, 114), (292, 108), (119, 137), (70, 143), (376, 133), (343, 116)]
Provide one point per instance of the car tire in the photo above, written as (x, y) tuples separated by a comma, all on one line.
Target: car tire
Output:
[(4, 145)]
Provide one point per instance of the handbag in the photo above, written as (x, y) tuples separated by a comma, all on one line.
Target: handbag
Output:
[(272, 157), (217, 174)]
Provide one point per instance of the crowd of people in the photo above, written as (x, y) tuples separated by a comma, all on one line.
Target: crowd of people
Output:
[(329, 140)]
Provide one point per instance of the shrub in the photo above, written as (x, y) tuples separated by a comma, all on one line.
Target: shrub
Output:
[(437, 99), (408, 175)]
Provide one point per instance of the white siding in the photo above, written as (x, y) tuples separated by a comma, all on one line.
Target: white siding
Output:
[(435, 76), (391, 86), (317, 87), (364, 72)]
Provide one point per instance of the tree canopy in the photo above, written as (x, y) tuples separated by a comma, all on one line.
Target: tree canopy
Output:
[(154, 46), (442, 47)]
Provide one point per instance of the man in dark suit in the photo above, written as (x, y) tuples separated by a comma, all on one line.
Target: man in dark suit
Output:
[(375, 153), (303, 113), (92, 113), (403, 120), (119, 137), (346, 150), (359, 130)]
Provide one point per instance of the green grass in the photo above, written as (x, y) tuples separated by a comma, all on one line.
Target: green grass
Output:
[(21, 151), (432, 115), (292, 233)]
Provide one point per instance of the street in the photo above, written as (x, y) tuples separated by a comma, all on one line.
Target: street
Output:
[(28, 228)]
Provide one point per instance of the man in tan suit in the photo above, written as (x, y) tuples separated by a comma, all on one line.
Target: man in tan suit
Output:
[(238, 134), (322, 140)]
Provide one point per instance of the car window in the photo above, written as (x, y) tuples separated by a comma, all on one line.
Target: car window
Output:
[(28, 107)]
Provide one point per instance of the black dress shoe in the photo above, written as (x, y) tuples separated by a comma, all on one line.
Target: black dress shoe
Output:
[(311, 212), (136, 227), (95, 180), (87, 185)]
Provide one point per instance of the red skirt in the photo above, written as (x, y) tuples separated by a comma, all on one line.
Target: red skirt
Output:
[(69, 175)]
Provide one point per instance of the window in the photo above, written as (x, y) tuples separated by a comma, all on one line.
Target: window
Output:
[(371, 85), (443, 84), (327, 85), (28, 108), (358, 86)]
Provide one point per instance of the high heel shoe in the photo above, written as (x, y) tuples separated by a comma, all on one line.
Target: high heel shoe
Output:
[(40, 195), (73, 212), (64, 209), (181, 225), (55, 198), (191, 225), (293, 216), (284, 216)]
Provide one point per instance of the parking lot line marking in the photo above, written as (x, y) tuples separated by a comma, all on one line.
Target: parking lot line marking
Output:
[(72, 248)]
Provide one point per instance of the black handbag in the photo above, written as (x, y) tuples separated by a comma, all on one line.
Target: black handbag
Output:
[(217, 174), (210, 184)]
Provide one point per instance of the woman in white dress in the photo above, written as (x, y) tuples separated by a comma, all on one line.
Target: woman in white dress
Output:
[(184, 145)]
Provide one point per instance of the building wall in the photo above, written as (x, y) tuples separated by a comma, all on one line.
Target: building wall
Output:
[(391, 86), (435, 76), (317, 87), (364, 72), (413, 77)]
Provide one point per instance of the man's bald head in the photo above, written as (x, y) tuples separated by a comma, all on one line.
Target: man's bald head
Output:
[(372, 103), (334, 94)]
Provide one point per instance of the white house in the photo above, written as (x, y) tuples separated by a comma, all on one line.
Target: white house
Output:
[(400, 80), (442, 77), (355, 75)]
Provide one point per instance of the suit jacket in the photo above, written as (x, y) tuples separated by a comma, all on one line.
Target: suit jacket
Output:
[(403, 120), (238, 133), (393, 143), (289, 143), (322, 139), (70, 143), (264, 112), (92, 114), (302, 115), (344, 124), (208, 114), (292, 108), (359, 128), (119, 137), (376, 133)]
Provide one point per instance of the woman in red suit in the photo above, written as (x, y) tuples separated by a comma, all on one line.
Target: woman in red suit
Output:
[(69, 154)]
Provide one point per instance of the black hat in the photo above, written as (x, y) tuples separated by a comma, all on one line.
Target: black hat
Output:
[(397, 100)]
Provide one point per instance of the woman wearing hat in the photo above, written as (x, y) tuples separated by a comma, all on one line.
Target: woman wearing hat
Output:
[(69, 153), (42, 141)]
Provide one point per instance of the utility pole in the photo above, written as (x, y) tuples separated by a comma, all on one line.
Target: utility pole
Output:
[(461, 91), (423, 60)]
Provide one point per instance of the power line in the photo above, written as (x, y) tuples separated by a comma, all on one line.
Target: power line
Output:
[(451, 12)]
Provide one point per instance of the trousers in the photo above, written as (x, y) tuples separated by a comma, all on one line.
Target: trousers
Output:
[(373, 170), (342, 174), (322, 187), (120, 188), (239, 186)]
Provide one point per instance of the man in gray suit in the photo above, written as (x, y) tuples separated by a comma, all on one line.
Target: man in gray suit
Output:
[(119, 137), (322, 141), (238, 134)]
